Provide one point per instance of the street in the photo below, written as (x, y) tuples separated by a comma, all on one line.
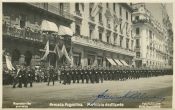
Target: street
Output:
[(41, 95)]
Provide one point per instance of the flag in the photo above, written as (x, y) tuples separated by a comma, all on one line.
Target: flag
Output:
[(57, 51), (8, 63), (71, 57), (95, 10), (64, 51), (46, 52)]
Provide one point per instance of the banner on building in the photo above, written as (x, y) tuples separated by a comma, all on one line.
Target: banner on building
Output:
[(64, 51), (8, 63), (57, 51), (46, 52)]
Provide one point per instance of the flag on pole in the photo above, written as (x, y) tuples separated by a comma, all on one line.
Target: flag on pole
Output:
[(71, 57), (64, 51), (8, 63), (46, 52), (57, 51)]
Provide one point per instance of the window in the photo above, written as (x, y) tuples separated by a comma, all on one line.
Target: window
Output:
[(22, 21), (137, 54), (137, 18), (121, 41), (126, 15), (61, 6), (132, 42), (77, 29), (115, 39), (45, 6), (100, 61), (76, 6), (108, 38), (126, 28), (114, 7), (100, 17), (90, 33), (127, 43), (107, 5), (150, 34), (121, 27), (137, 43), (137, 31), (90, 11), (120, 11), (100, 36)]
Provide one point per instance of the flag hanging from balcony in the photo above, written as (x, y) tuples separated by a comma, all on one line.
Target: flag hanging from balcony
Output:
[(8, 63), (46, 52), (57, 51), (71, 57), (64, 51)]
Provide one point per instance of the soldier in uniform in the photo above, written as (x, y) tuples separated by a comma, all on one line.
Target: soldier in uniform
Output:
[(30, 75), (82, 75), (51, 75), (20, 75)]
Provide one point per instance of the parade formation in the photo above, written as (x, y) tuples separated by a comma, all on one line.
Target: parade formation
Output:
[(66, 75)]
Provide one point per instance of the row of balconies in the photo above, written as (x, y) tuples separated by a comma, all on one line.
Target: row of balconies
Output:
[(28, 34), (95, 43), (54, 10)]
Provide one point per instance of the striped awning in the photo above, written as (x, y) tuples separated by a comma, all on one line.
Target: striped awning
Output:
[(118, 62), (124, 63), (111, 61), (49, 26)]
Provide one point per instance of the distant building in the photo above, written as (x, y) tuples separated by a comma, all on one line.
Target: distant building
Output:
[(152, 44)]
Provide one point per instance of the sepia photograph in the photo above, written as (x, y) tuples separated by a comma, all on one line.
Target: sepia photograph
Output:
[(87, 55)]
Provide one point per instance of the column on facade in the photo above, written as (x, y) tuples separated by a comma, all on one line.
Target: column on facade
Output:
[(83, 58)]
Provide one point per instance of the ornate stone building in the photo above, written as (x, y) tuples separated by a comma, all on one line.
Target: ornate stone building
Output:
[(153, 46)]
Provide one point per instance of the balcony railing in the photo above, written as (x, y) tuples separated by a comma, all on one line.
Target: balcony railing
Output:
[(28, 34), (94, 43), (54, 10)]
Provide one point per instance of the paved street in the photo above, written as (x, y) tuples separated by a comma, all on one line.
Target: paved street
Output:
[(42, 95)]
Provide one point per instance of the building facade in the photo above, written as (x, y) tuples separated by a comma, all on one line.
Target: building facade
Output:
[(151, 39), (102, 34), (28, 26)]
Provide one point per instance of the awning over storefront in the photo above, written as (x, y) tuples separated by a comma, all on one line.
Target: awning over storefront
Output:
[(63, 30), (49, 26), (124, 63), (118, 62), (111, 61)]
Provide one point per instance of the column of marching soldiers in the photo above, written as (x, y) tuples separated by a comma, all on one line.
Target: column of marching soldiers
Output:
[(66, 75)]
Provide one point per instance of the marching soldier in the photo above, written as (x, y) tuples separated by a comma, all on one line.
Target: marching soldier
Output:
[(51, 75)]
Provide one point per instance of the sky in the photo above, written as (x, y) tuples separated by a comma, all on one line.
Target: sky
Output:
[(157, 12)]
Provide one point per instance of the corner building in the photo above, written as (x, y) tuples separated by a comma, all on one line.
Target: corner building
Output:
[(151, 39)]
